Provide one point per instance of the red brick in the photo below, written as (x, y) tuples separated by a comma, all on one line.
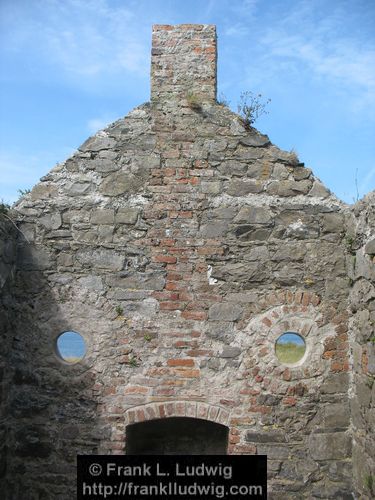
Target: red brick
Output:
[(249, 392), (136, 390), (206, 250), (195, 306), (234, 439), (305, 298), (199, 352), (108, 391), (174, 382), (185, 214), (194, 315), (140, 416), (265, 410), (174, 277), (169, 172), (194, 180), (166, 295), (200, 164), (164, 391), (180, 344), (157, 371), (180, 362), (167, 242), (171, 306), (174, 286), (340, 366), (229, 402), (289, 401), (184, 373), (267, 321)]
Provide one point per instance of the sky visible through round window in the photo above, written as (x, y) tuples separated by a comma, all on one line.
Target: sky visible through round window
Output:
[(71, 347), (290, 348)]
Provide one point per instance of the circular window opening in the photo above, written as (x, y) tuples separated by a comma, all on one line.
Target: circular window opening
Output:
[(71, 347), (290, 348)]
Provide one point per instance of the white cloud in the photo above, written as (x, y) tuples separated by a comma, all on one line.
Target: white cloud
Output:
[(82, 38), (303, 37)]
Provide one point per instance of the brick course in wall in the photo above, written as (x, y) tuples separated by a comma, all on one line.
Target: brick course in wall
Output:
[(181, 244)]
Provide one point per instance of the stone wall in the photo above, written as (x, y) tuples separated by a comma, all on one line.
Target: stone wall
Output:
[(362, 303), (180, 243), (7, 269)]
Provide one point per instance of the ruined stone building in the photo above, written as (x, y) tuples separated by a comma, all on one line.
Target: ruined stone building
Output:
[(181, 244)]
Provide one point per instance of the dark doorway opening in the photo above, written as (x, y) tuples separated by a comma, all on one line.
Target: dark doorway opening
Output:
[(176, 436)]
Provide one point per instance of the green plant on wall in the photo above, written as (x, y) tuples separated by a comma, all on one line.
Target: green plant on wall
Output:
[(4, 207), (119, 310), (23, 192), (251, 106), (133, 362)]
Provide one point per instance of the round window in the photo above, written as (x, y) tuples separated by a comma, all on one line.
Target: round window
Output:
[(290, 348), (71, 347)]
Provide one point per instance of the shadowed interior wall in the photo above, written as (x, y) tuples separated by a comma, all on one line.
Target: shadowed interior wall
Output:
[(176, 436)]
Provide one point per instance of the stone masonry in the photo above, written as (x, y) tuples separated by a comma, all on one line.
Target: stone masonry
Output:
[(181, 243), (361, 242)]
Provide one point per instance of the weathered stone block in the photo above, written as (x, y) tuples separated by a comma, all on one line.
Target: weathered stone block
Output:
[(51, 221), (230, 352), (253, 215), (330, 446), (243, 187), (213, 187), (103, 216), (127, 215), (289, 188), (137, 281), (78, 188), (101, 259), (214, 229), (91, 282), (232, 167), (335, 383), (336, 416), (265, 437), (98, 142), (43, 191), (121, 183), (225, 312), (300, 173), (370, 247), (255, 139)]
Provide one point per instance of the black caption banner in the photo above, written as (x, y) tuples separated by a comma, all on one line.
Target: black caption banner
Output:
[(171, 477)]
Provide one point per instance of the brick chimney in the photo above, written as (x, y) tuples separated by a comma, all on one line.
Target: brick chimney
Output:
[(183, 63)]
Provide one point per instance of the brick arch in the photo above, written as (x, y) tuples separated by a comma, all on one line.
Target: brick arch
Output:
[(192, 409)]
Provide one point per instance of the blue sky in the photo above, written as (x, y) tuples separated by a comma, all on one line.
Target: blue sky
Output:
[(69, 67)]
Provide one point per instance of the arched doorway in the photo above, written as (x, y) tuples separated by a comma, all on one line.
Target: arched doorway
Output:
[(177, 436)]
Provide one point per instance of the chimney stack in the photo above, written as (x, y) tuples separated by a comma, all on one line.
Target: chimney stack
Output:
[(183, 63)]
